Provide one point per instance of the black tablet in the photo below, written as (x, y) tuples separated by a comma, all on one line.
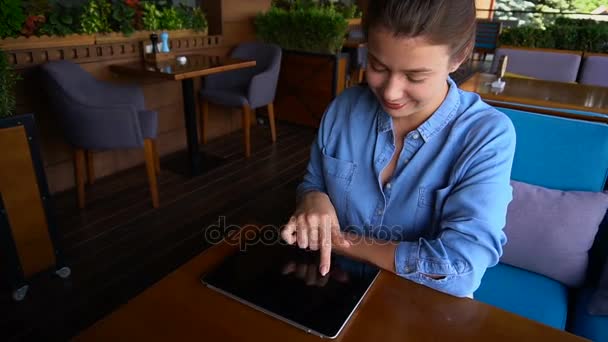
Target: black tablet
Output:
[(284, 282)]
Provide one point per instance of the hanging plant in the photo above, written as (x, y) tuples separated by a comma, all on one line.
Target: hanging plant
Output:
[(12, 18), (8, 80), (95, 17)]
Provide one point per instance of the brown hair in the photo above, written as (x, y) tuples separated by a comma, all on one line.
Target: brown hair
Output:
[(444, 22)]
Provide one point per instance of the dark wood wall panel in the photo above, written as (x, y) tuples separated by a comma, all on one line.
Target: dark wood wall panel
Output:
[(235, 26)]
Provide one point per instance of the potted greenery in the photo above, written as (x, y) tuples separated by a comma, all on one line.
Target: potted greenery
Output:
[(313, 67), (54, 24), (564, 34), (42, 23)]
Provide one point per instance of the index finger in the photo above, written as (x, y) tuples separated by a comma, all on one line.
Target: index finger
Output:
[(325, 248)]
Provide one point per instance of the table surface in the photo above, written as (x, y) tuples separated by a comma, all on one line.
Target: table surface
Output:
[(179, 307), (353, 43), (541, 93), (195, 66)]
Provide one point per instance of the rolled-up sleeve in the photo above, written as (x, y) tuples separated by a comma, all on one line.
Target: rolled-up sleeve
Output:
[(313, 178), (470, 233)]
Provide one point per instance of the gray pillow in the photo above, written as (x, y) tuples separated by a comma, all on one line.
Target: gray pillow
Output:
[(551, 231), (599, 301)]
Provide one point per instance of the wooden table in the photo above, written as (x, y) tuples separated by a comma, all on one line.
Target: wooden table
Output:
[(179, 307), (547, 94), (195, 66), (354, 43)]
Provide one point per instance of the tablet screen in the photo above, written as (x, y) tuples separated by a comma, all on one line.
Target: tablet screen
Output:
[(284, 281)]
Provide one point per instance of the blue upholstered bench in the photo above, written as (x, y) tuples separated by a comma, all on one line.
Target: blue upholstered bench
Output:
[(554, 157)]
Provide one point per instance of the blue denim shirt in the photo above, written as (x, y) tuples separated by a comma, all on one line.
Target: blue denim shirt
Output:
[(447, 200)]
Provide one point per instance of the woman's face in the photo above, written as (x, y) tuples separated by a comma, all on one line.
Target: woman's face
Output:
[(407, 75)]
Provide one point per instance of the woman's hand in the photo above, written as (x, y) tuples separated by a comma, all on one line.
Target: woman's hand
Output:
[(315, 225)]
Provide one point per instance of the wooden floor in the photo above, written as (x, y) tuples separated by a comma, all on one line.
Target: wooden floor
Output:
[(119, 245)]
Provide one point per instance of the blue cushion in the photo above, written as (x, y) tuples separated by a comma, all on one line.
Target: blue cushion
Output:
[(525, 293), (583, 324), (559, 153)]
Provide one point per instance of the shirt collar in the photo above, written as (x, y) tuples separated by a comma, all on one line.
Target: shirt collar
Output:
[(435, 122)]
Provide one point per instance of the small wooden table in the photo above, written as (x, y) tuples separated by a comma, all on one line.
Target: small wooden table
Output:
[(353, 43), (195, 66), (179, 307), (541, 93)]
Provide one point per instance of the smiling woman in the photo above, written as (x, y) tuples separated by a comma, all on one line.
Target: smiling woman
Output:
[(408, 172)]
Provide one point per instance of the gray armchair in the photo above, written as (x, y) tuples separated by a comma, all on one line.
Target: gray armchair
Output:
[(248, 89), (96, 115)]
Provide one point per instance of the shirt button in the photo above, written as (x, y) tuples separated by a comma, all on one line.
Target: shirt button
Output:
[(415, 136), (380, 211), (388, 185)]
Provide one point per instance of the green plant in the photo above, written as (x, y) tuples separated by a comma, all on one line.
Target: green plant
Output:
[(312, 29), (170, 20), (192, 18), (348, 11), (565, 33), (8, 80), (151, 16), (12, 18), (62, 20), (96, 17), (122, 18)]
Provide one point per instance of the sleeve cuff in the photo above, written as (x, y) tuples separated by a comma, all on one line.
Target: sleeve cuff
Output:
[(406, 257)]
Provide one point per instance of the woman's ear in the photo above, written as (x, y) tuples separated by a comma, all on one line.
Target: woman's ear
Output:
[(454, 66)]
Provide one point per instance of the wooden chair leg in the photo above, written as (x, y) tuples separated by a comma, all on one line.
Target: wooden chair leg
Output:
[(254, 118), (150, 168), (79, 166), (156, 158), (90, 168), (247, 130), (354, 77), (273, 131), (361, 75), (204, 120)]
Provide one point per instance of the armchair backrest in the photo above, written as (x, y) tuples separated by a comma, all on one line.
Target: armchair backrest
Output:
[(268, 63), (267, 56), (551, 65), (89, 115), (595, 70), (69, 79), (558, 152)]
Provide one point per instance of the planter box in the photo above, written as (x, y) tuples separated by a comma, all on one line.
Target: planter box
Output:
[(119, 37), (42, 42), (308, 82)]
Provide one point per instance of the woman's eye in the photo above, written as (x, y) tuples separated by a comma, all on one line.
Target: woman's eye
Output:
[(416, 80), (376, 67)]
